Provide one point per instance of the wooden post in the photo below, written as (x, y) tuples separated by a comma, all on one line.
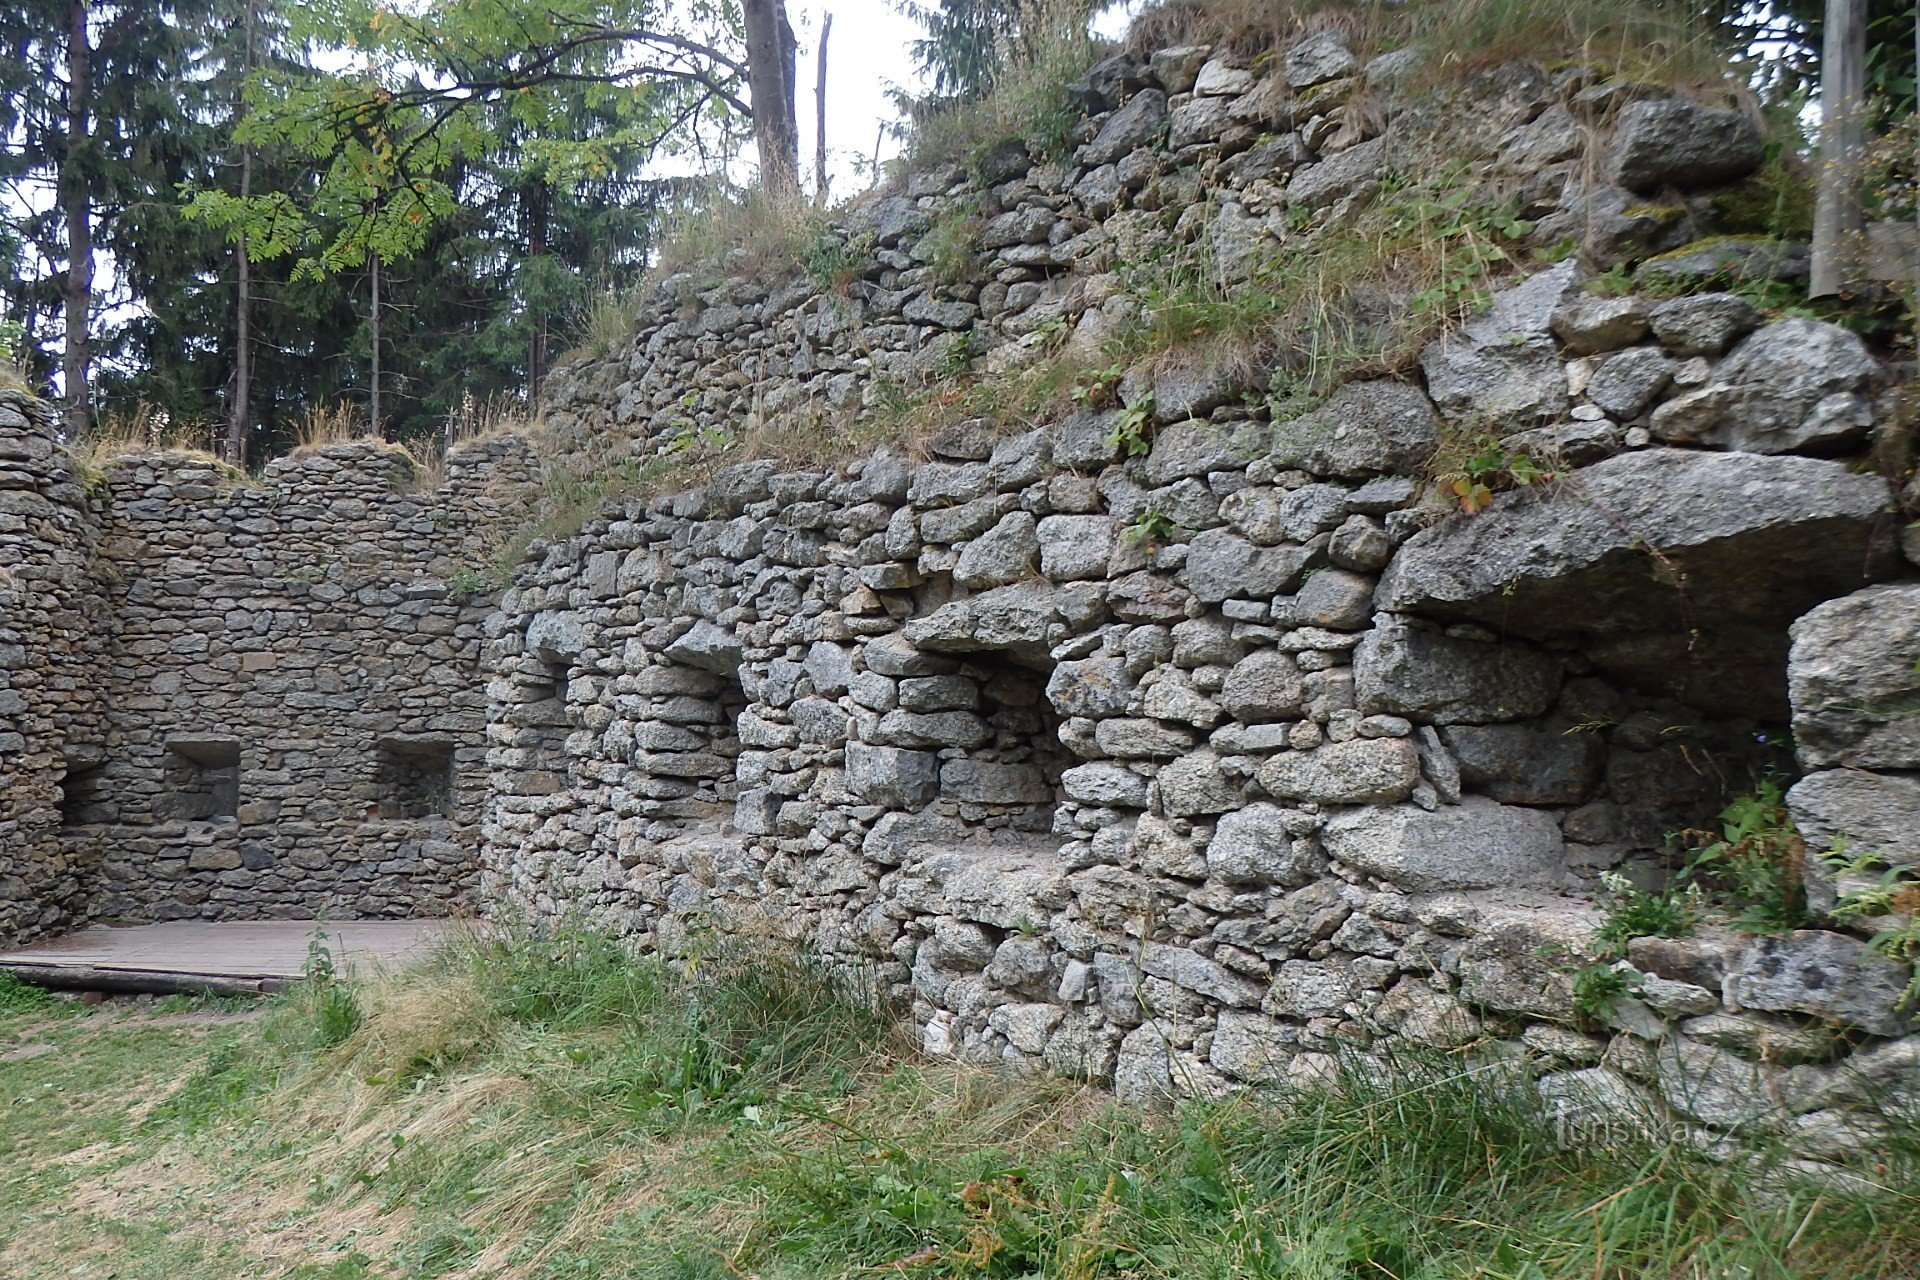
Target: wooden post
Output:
[(1838, 220)]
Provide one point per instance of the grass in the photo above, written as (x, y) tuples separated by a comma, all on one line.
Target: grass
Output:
[(546, 1105), (1640, 39)]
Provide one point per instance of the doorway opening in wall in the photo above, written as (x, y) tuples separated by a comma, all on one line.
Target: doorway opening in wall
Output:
[(414, 777), (1011, 780), (85, 799), (202, 778)]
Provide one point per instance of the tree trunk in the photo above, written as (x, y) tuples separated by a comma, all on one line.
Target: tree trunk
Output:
[(820, 116), (536, 205), (770, 80), (1839, 223), (240, 408), (373, 410), (77, 284)]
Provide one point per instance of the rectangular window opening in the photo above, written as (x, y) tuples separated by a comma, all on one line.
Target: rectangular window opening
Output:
[(85, 799), (415, 777), (202, 776)]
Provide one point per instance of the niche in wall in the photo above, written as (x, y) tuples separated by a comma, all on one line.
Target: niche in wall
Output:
[(202, 780), (414, 777), (85, 799)]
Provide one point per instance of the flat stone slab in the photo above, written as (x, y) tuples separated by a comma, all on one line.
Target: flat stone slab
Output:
[(219, 957)]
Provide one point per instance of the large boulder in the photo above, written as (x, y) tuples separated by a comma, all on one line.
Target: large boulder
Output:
[(1794, 386), (1678, 570), (1362, 771), (1854, 677), (1860, 811), (1671, 142), (1427, 675), (1476, 844), (1825, 975), (1502, 370), (1132, 127), (1019, 620), (1379, 427)]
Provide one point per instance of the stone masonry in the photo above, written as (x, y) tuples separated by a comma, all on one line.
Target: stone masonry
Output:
[(254, 698), (1340, 766), (1188, 766)]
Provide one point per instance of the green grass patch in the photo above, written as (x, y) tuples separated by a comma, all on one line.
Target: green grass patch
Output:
[(546, 1104)]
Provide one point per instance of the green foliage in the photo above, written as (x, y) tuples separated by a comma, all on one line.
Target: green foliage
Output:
[(1152, 526), (1341, 299), (1028, 104), (833, 262), (1132, 428), (22, 997), (951, 246), (1670, 912), (1754, 863), (1487, 467), (580, 1111), (1891, 901), (330, 1003), (1596, 988)]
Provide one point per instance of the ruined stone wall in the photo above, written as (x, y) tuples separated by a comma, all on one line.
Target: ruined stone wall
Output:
[(235, 697), (293, 717), (1338, 763), (49, 614)]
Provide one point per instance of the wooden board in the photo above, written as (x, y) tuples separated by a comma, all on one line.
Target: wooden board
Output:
[(219, 957)]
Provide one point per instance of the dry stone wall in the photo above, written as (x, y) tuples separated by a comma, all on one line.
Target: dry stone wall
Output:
[(293, 720), (50, 612), (245, 698), (1338, 766), (1167, 742)]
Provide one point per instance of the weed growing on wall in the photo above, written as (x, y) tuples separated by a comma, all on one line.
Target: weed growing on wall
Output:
[(1890, 903)]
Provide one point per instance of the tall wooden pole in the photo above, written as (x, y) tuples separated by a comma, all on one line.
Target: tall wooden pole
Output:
[(240, 410), (1839, 222)]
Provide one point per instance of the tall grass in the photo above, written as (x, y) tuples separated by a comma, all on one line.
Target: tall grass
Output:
[(1661, 40), (548, 1104)]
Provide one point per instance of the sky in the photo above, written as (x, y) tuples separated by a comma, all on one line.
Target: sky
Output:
[(868, 53)]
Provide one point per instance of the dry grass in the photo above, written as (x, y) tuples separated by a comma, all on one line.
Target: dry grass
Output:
[(1647, 39), (144, 431), (1028, 100), (326, 424)]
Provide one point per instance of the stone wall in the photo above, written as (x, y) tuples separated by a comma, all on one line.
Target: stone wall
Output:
[(293, 719), (230, 697), (1339, 764), (50, 611)]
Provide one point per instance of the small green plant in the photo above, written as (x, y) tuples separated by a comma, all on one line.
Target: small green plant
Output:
[(832, 261), (1150, 527), (1893, 898), (1488, 468), (13, 352), (469, 581), (1131, 428), (950, 246), (1631, 913), (334, 1008), (1754, 864), (1597, 988)]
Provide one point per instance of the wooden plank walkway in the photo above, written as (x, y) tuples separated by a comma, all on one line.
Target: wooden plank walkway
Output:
[(223, 958)]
